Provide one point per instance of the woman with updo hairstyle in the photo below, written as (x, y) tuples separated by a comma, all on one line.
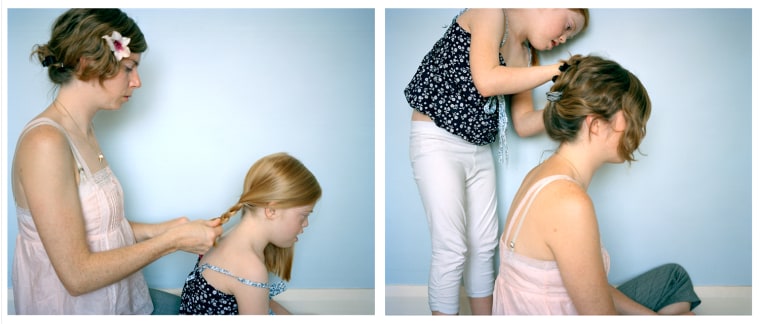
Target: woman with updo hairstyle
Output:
[(76, 252), (77, 39), (612, 89), (279, 194), (552, 261)]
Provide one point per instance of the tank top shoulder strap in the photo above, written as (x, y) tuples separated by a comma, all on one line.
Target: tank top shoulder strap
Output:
[(81, 166), (229, 274), (522, 208)]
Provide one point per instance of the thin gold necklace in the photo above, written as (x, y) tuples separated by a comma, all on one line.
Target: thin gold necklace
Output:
[(100, 154)]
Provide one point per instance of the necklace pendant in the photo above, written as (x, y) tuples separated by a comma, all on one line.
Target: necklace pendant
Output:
[(100, 157)]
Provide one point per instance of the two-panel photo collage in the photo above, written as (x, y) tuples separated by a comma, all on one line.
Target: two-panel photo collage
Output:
[(373, 163)]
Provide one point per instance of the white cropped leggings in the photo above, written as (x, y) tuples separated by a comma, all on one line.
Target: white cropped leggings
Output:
[(457, 183)]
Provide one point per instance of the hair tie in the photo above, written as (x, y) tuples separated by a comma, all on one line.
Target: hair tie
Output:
[(49, 60), (554, 96)]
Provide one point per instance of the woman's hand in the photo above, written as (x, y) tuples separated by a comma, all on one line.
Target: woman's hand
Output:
[(196, 236)]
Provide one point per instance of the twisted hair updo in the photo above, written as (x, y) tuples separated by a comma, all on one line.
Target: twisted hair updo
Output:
[(594, 86), (78, 33)]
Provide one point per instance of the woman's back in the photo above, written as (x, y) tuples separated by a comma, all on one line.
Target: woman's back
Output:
[(529, 280)]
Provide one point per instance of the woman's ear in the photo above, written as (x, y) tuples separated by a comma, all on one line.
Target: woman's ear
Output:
[(592, 122), (83, 62)]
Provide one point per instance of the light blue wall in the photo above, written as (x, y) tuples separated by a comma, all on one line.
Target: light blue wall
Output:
[(687, 201), (222, 88)]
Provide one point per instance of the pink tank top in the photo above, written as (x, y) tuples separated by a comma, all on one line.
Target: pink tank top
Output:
[(36, 287), (527, 286)]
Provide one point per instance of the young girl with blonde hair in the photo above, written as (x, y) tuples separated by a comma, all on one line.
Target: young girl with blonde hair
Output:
[(279, 193)]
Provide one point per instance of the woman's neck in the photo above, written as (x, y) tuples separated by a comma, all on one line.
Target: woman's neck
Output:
[(580, 161), (74, 105)]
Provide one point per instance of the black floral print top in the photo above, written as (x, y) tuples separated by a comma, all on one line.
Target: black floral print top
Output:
[(201, 298), (442, 88)]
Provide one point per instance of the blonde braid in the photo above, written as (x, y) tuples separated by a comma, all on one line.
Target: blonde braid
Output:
[(231, 212)]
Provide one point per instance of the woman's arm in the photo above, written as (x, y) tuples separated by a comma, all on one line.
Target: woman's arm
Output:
[(572, 234), (627, 306), (487, 29), (144, 231), (47, 175)]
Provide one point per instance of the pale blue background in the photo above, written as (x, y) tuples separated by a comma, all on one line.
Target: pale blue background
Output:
[(687, 201), (222, 88)]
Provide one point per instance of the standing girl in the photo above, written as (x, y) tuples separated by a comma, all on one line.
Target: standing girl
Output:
[(279, 193), (484, 63)]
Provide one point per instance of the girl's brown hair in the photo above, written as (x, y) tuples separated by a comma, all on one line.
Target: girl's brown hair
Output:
[(594, 86), (78, 33), (280, 181)]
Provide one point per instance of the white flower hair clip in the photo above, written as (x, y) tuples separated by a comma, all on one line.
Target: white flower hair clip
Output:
[(118, 45)]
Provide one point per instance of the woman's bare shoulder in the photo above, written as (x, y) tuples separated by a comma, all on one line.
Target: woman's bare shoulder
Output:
[(565, 198), (43, 143), (43, 137)]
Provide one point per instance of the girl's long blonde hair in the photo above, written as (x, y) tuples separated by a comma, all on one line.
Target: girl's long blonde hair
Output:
[(280, 181)]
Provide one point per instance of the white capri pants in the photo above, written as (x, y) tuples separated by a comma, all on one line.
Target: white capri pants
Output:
[(457, 183)]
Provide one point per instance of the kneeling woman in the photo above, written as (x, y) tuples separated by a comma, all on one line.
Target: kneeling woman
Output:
[(552, 259)]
